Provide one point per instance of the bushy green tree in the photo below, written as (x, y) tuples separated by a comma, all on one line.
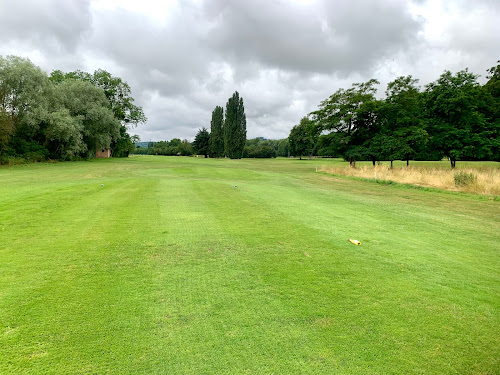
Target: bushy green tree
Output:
[(259, 148), (303, 138), (493, 84), (493, 113), (217, 133), (201, 142), (6, 128), (88, 103), (28, 110), (402, 133), (174, 147), (283, 147), (175, 142), (120, 102), (124, 145), (348, 117), (64, 135), (235, 127), (23, 94), (455, 107), (67, 115), (159, 148), (185, 148)]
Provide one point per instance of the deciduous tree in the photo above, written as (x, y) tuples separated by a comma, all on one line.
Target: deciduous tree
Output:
[(347, 114), (120, 101), (88, 103), (402, 134), (303, 138), (23, 90), (455, 108)]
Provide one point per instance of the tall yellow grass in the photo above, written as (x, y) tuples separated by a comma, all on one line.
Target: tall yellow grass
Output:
[(487, 180)]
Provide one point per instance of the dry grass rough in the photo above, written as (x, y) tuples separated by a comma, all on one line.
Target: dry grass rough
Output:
[(486, 180)]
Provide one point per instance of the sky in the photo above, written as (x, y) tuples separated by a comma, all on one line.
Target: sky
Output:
[(182, 58)]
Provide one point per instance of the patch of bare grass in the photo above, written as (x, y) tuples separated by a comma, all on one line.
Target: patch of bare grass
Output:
[(477, 181)]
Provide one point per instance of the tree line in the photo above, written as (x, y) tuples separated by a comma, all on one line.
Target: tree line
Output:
[(254, 148), (453, 117), (64, 115)]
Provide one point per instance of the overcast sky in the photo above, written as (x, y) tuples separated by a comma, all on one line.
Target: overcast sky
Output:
[(182, 58)]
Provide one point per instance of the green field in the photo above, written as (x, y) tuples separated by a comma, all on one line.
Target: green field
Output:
[(169, 268)]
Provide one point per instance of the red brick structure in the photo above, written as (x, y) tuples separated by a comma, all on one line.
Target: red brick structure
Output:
[(104, 153)]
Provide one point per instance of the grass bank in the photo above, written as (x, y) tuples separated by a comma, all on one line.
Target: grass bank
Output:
[(190, 265)]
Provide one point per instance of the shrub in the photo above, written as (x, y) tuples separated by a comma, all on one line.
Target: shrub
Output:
[(463, 178), (11, 160), (259, 152), (36, 156)]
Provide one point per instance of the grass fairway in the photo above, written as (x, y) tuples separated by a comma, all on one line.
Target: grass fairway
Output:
[(169, 268)]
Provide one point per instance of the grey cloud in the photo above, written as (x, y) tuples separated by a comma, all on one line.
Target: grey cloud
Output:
[(173, 118), (165, 58), (477, 34), (339, 36), (50, 24)]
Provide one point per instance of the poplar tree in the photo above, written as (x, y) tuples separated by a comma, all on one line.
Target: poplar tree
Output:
[(216, 133), (235, 127)]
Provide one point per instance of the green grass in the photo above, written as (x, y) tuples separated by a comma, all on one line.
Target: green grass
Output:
[(168, 268)]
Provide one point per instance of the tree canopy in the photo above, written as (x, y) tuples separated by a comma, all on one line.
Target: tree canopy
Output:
[(303, 138), (454, 116), (201, 143), (63, 116), (401, 133), (348, 117), (455, 108)]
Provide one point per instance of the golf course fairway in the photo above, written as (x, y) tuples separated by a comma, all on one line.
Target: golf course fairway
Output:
[(177, 265)]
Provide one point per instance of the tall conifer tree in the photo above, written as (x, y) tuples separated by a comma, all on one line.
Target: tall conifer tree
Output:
[(235, 127), (216, 133)]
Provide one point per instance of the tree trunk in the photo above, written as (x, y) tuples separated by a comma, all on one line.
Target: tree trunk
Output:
[(407, 162), (300, 157), (373, 162), (352, 163), (391, 164), (453, 162)]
